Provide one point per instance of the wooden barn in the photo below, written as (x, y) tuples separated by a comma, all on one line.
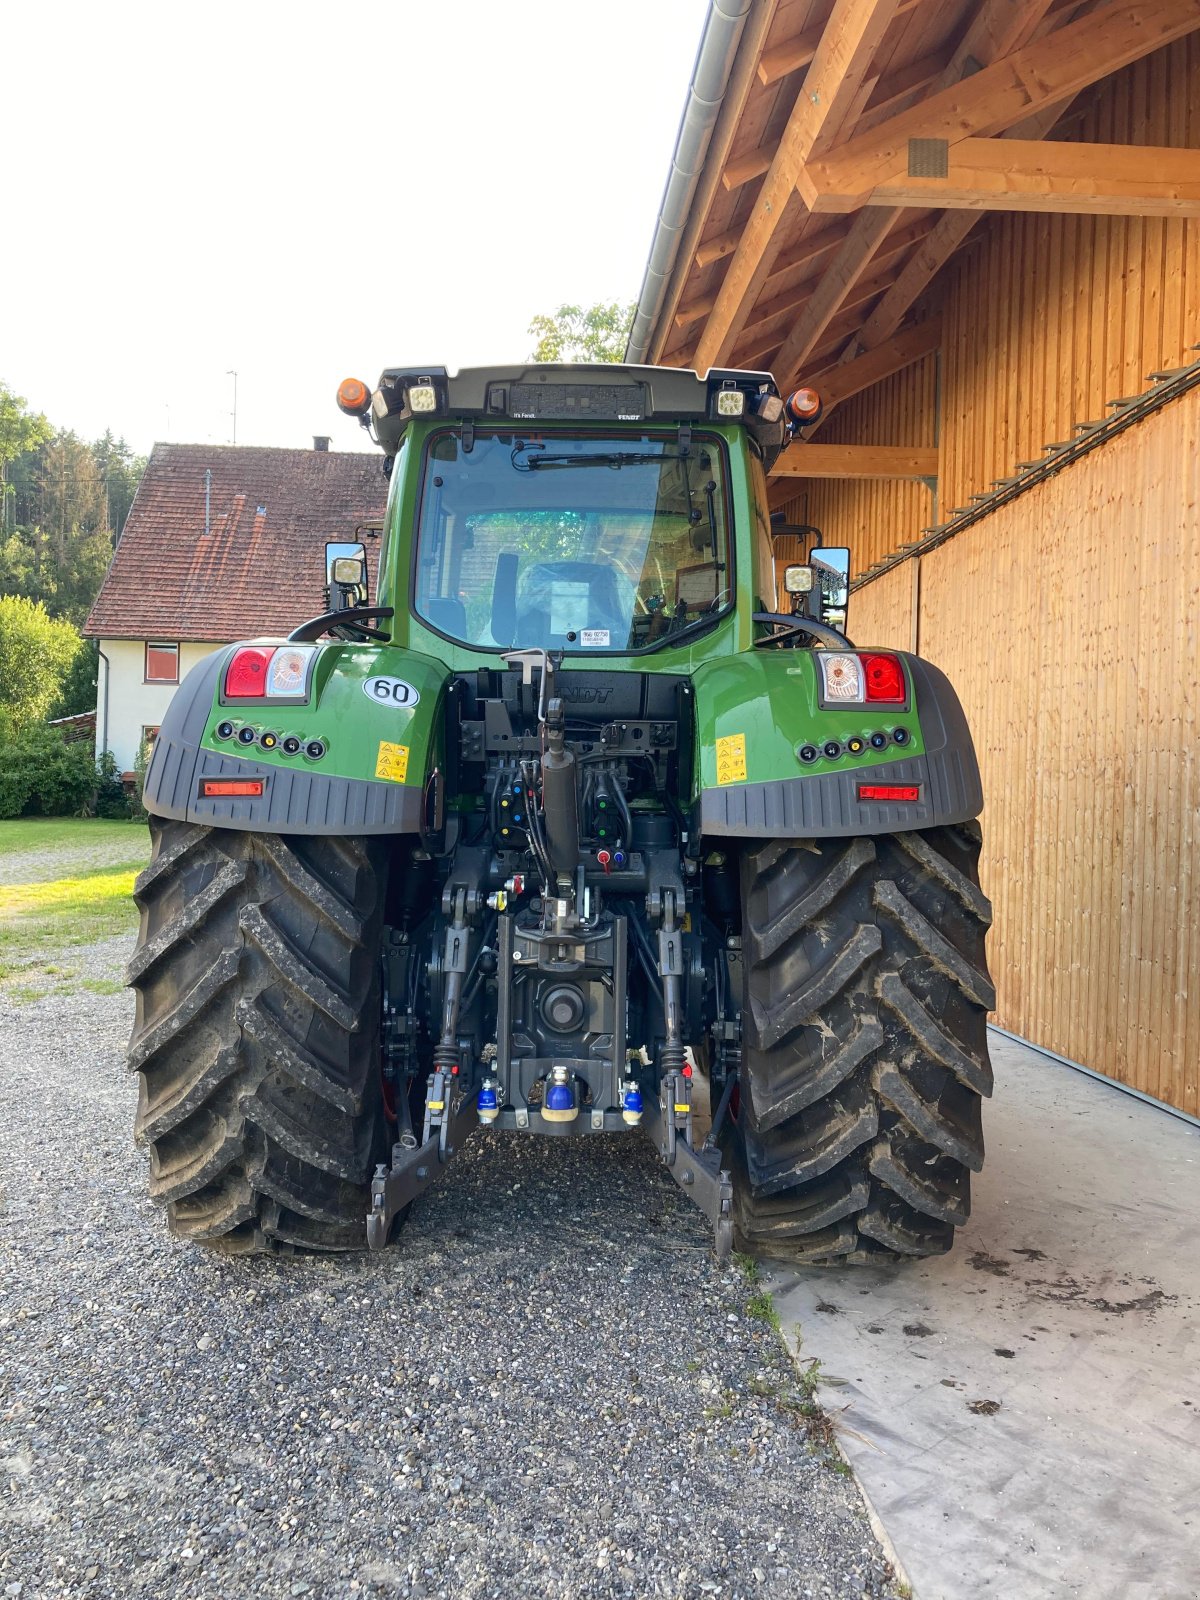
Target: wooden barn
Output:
[(974, 227)]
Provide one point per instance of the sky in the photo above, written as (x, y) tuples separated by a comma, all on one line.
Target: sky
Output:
[(304, 192)]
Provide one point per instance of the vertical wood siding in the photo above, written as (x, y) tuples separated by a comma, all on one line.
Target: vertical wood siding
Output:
[(1068, 622), (883, 613)]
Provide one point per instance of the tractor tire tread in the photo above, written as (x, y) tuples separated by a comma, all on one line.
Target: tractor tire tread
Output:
[(256, 1035), (864, 1058)]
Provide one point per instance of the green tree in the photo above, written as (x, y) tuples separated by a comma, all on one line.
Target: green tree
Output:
[(120, 472), (61, 547), (583, 333), (37, 653), (21, 430)]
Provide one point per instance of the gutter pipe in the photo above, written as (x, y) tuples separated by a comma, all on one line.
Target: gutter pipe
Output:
[(103, 750), (710, 78)]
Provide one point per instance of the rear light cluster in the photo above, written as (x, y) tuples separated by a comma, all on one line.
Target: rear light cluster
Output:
[(269, 672), (862, 679)]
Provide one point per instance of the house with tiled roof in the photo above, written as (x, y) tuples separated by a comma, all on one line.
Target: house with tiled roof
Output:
[(223, 542)]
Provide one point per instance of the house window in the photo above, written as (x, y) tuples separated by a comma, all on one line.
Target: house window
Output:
[(162, 663), (149, 735)]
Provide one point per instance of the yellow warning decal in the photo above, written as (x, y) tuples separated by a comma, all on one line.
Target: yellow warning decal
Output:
[(731, 758), (392, 761)]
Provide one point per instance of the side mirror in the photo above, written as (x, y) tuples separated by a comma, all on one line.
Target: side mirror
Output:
[(821, 588), (346, 576)]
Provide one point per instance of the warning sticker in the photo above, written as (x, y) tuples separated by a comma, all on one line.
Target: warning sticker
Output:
[(731, 758), (392, 761)]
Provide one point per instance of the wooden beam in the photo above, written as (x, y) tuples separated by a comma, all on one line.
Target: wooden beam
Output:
[(795, 53), (744, 169), (1048, 175), (718, 247), (866, 234), (843, 58), (1044, 73), (852, 377), (856, 461)]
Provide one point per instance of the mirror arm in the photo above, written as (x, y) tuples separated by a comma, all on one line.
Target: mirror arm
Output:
[(820, 631), (311, 630)]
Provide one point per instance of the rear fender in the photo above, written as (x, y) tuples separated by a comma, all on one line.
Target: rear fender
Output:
[(756, 712), (377, 710)]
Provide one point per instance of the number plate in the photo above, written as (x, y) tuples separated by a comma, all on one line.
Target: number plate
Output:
[(391, 692)]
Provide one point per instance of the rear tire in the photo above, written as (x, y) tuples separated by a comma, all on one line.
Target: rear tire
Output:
[(256, 1039), (864, 1044)]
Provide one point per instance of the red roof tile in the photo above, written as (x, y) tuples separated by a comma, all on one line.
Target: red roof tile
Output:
[(261, 567)]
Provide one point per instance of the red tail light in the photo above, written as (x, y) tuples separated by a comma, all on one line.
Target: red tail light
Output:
[(889, 791), (212, 788), (884, 677), (246, 674)]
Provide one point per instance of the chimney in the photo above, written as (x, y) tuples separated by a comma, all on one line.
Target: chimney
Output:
[(321, 441)]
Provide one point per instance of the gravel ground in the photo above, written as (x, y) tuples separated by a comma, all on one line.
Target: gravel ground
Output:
[(548, 1389)]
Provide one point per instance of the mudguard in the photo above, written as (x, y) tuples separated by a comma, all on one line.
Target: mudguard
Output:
[(380, 749), (756, 713)]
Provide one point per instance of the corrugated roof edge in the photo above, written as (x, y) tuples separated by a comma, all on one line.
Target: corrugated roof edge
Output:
[(710, 78)]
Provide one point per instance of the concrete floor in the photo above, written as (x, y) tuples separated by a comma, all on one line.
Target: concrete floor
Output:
[(1024, 1413)]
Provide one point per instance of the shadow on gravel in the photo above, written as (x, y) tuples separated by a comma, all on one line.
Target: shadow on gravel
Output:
[(546, 1388)]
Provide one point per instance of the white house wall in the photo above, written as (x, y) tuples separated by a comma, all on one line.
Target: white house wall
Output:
[(134, 704)]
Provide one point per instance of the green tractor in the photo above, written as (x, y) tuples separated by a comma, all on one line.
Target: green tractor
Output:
[(573, 829)]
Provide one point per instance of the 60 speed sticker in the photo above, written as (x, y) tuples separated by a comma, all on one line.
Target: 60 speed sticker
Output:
[(391, 692)]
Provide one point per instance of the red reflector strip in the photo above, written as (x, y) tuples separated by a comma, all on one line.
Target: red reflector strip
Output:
[(889, 791), (211, 788)]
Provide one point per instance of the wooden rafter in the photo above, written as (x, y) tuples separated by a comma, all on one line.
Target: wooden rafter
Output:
[(764, 335), (1045, 73), (795, 53), (866, 234), (790, 284), (838, 383), (842, 60), (856, 461)]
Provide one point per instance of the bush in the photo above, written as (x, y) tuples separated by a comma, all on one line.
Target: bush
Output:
[(110, 798), (42, 775), (137, 808), (37, 655)]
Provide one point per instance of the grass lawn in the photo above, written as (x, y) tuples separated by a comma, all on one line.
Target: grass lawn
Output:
[(65, 883)]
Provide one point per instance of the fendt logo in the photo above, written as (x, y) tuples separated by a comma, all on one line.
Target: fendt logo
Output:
[(586, 697)]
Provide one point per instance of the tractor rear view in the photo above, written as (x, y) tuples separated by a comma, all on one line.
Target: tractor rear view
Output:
[(574, 829)]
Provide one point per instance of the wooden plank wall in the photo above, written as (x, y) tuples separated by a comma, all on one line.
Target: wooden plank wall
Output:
[(1086, 715), (884, 612)]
